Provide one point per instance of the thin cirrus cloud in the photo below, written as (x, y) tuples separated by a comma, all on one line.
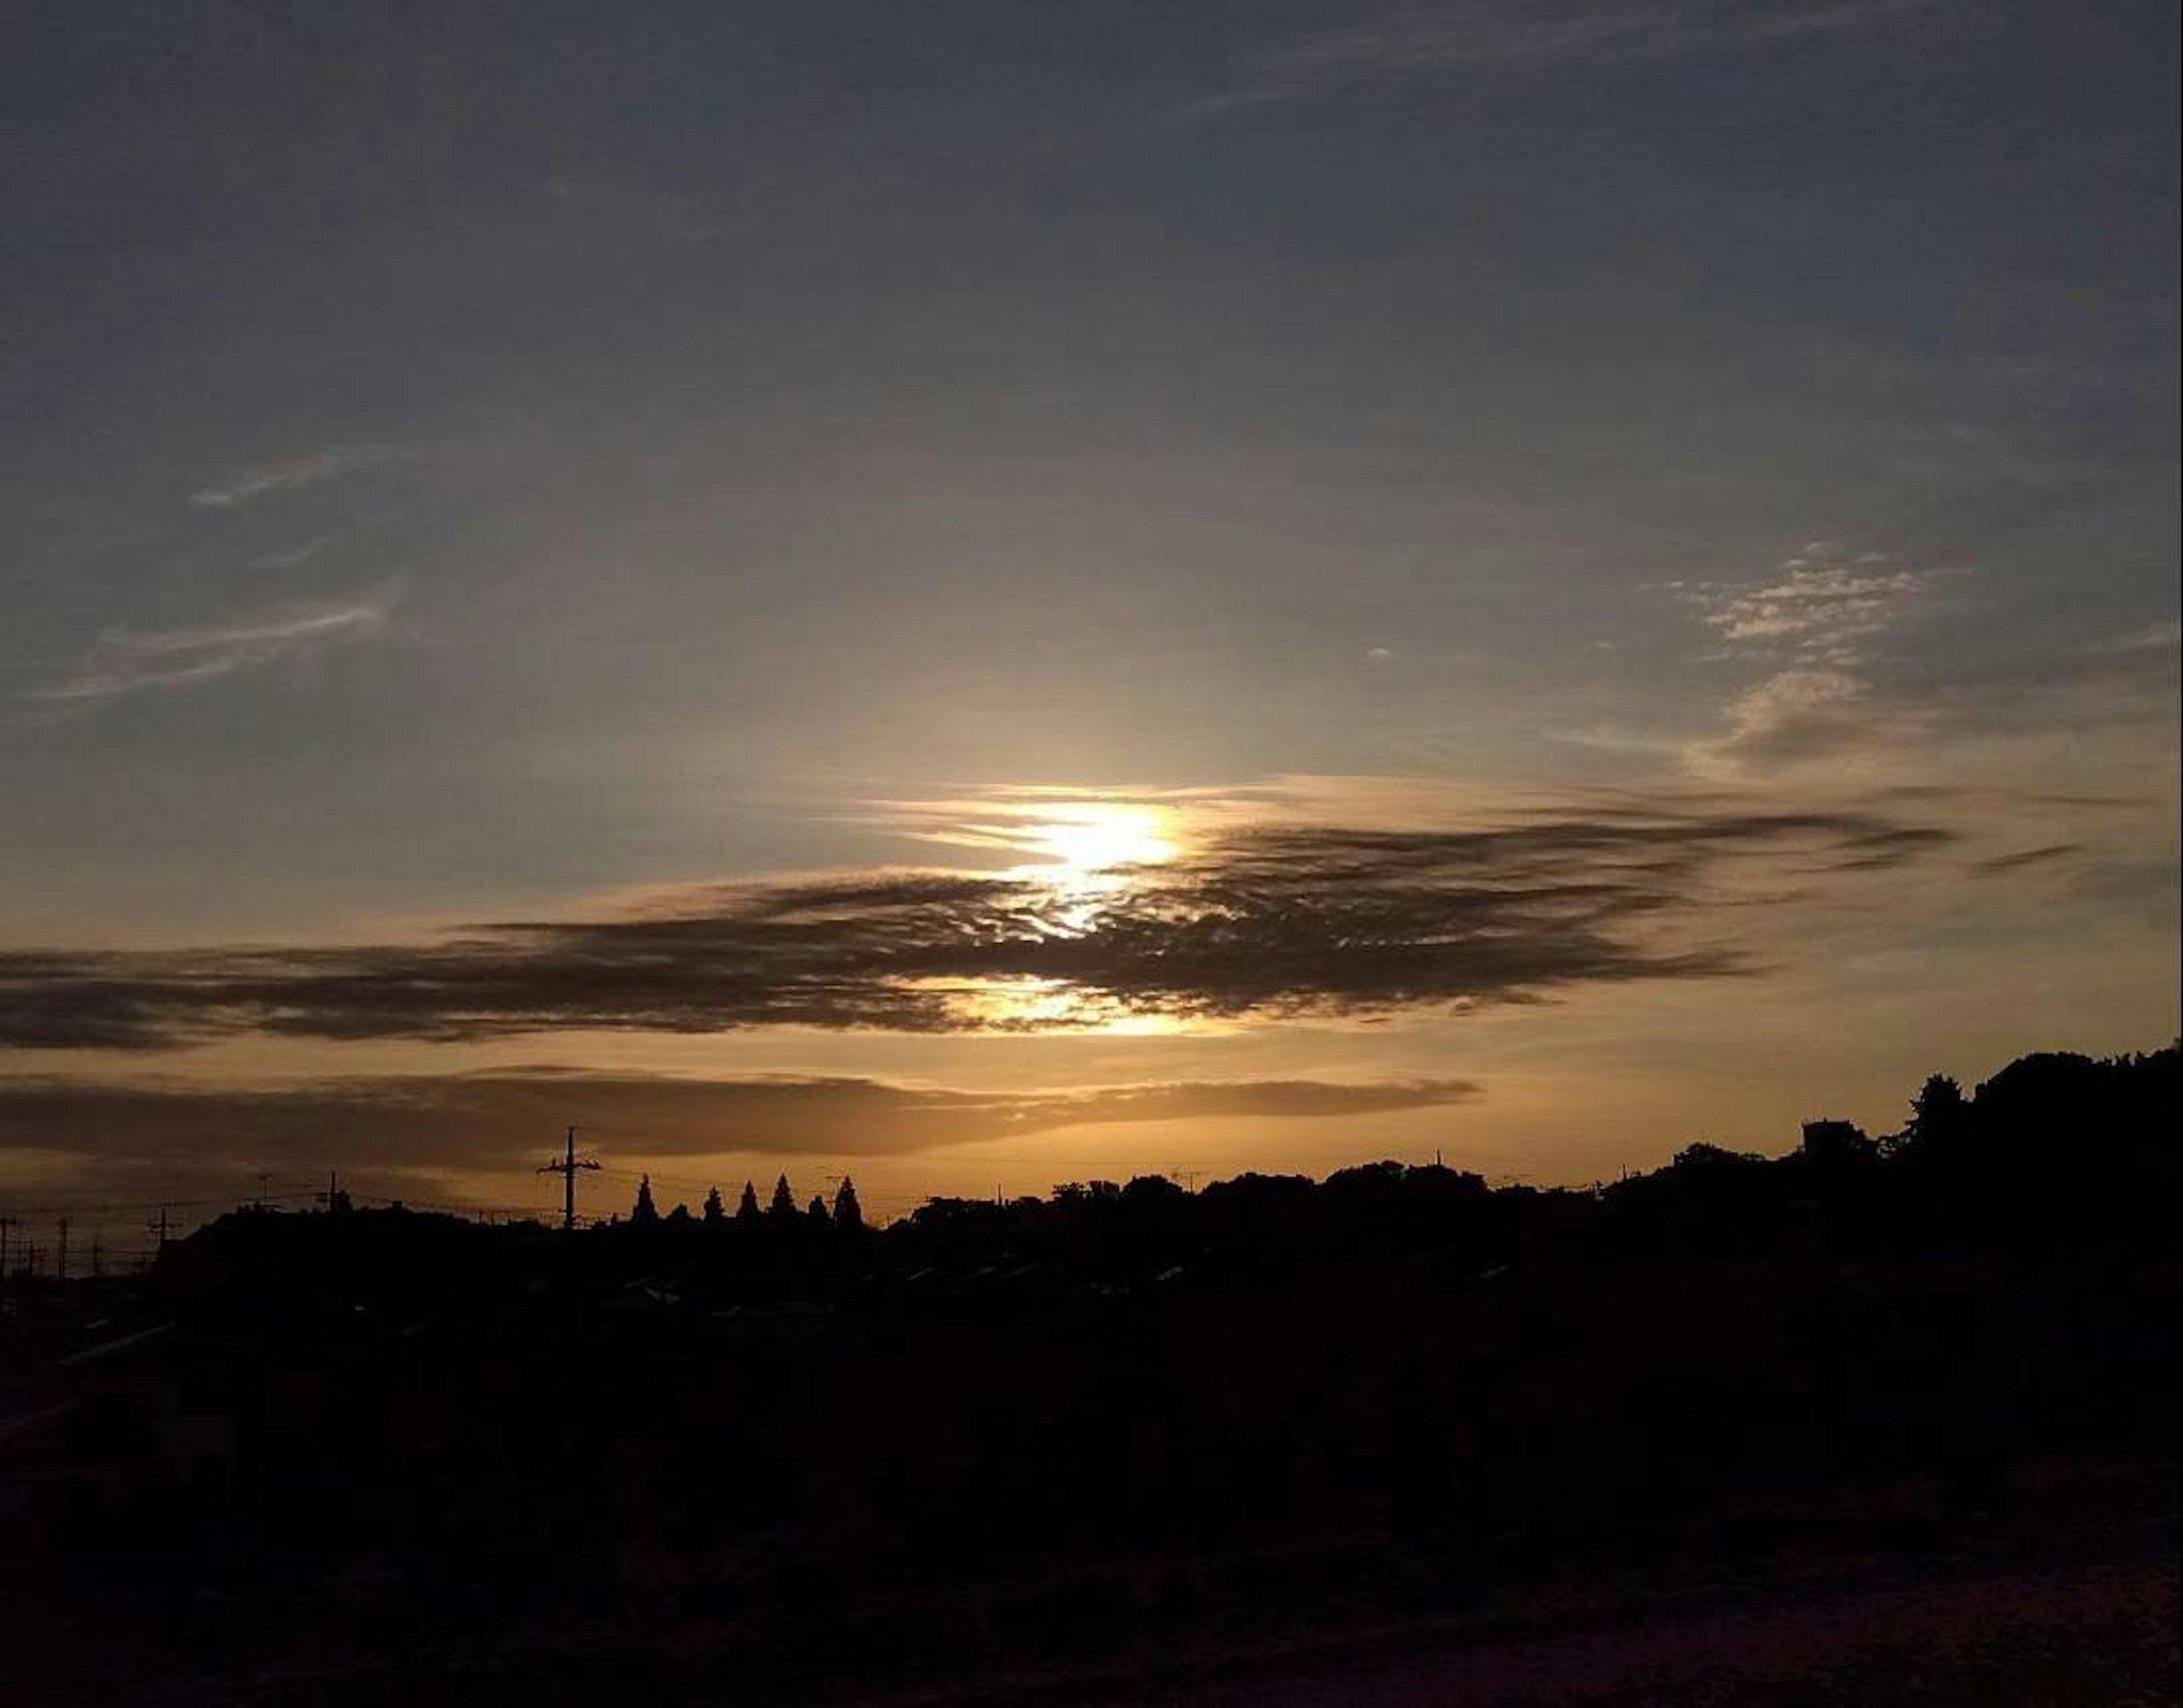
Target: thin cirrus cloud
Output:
[(1461, 39), (1812, 624), (2021, 860), (257, 481), (2154, 637), (127, 661), (1815, 620), (2113, 708), (496, 1118), (1821, 606), (1263, 923)]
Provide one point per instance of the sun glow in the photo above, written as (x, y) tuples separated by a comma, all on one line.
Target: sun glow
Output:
[(1100, 836), (1074, 858)]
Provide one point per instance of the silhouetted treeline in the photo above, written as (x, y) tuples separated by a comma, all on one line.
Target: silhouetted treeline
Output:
[(772, 1456), (2055, 1149)]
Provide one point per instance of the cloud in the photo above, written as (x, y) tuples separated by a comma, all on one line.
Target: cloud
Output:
[(1821, 605), (2086, 714), (294, 557), (1459, 40), (129, 661), (1262, 922), (1798, 716), (1815, 619), (500, 1119), (2000, 863), (2155, 637), (247, 485)]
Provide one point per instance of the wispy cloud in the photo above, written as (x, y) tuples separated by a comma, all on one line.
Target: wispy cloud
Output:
[(247, 485), (294, 557), (2019, 859), (1822, 605), (2155, 637), (1815, 619), (1795, 715), (1260, 923), (130, 661), (1457, 40)]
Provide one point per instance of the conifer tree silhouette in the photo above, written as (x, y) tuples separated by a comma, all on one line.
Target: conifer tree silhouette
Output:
[(746, 1210), (784, 1200), (847, 1212), (715, 1212), (646, 1212)]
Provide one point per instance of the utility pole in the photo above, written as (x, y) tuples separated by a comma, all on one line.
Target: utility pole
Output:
[(98, 1269), (159, 1228), (262, 1177), (5, 1222), (60, 1270), (332, 1192), (566, 1167)]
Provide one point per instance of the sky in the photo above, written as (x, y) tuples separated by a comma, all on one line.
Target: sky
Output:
[(985, 594)]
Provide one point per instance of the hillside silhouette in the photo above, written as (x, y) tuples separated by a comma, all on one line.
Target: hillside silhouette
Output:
[(1266, 1440)]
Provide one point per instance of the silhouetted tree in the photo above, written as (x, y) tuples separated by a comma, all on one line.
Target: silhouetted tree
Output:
[(679, 1217), (847, 1212), (746, 1210), (646, 1212), (784, 1200), (1834, 1143), (715, 1212), (1148, 1189), (1704, 1155), (816, 1216), (1939, 1113)]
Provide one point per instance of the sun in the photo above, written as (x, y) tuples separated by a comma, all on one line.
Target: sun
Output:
[(1098, 836)]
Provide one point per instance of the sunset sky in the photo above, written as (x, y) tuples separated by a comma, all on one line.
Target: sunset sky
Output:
[(985, 594)]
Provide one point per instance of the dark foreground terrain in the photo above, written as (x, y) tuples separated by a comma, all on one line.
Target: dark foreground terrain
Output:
[(1868, 1423)]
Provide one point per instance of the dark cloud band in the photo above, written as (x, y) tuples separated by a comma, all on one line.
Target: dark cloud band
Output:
[(1267, 922), (500, 1119)]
